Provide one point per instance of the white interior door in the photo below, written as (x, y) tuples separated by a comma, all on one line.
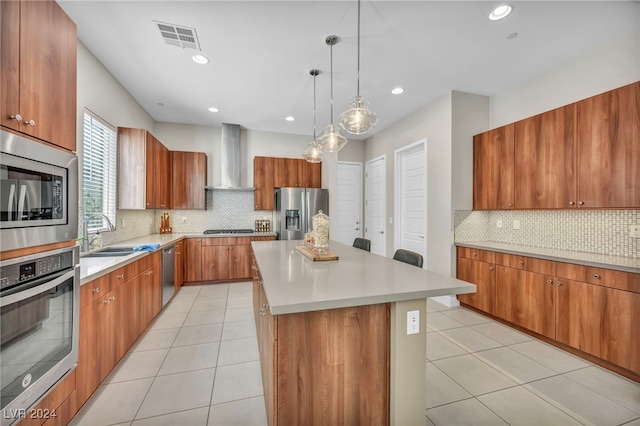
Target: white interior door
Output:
[(375, 204), (411, 198), (349, 207)]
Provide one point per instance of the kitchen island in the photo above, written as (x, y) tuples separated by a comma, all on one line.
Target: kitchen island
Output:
[(333, 339)]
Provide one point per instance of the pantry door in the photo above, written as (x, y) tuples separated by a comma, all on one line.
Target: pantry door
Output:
[(349, 211), (375, 204)]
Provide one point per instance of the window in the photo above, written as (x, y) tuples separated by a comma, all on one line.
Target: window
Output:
[(98, 171)]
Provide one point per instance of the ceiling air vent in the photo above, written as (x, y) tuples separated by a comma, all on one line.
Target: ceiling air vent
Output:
[(177, 35)]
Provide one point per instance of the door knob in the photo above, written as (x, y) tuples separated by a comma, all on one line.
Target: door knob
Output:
[(421, 237), (382, 232), (356, 229)]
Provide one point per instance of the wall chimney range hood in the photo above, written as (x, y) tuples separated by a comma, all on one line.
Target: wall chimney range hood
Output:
[(230, 160)]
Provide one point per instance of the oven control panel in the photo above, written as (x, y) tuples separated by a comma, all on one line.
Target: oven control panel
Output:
[(21, 272)]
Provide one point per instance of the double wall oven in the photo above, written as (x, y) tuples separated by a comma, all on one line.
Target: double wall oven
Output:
[(39, 292)]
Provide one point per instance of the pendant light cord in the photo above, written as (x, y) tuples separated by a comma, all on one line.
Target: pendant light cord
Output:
[(331, 64), (358, 73), (314, 107)]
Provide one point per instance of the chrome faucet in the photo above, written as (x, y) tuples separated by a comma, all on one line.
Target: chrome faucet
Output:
[(85, 232)]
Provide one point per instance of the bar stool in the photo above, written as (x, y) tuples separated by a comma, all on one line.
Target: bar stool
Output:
[(362, 243), (409, 257)]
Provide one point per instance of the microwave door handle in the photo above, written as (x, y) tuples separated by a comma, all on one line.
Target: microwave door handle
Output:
[(34, 290), (22, 200)]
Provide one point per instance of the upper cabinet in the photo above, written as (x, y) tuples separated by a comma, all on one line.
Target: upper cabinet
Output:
[(493, 154), (583, 155), (189, 177), (272, 172), (609, 149), (144, 171), (545, 176), (38, 61)]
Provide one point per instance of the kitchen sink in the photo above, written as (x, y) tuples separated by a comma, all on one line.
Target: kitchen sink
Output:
[(110, 252)]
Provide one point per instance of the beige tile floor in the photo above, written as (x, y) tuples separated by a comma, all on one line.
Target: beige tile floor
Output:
[(198, 364)]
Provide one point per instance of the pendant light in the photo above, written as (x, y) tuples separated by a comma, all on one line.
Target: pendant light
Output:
[(358, 119), (331, 140), (313, 154)]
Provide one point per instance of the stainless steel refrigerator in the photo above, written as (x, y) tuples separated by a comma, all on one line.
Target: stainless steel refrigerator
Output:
[(295, 208)]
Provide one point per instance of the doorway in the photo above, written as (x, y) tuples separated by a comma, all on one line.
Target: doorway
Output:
[(349, 197), (411, 198), (375, 204)]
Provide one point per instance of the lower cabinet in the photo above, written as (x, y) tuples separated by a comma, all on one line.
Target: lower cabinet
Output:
[(121, 306), (179, 266), (219, 258), (554, 300)]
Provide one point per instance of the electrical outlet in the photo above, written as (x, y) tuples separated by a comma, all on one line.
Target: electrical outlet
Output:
[(499, 223), (634, 231), (413, 322), (516, 224), (184, 219)]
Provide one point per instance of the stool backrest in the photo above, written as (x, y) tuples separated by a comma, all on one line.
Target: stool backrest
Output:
[(362, 243), (409, 257)]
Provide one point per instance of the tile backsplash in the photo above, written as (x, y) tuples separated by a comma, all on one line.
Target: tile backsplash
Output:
[(225, 210), (594, 231)]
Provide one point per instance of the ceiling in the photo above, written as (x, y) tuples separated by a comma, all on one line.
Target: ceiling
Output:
[(261, 52)]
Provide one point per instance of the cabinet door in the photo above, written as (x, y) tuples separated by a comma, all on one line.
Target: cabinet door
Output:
[(483, 276), (545, 175), (132, 157), (608, 149), (263, 182), (89, 358), (134, 297), (314, 171), (240, 261), (215, 262), (193, 260), (598, 320), (151, 201), (10, 63), (161, 172), (493, 169), (268, 364), (179, 266), (48, 50), (188, 179), (121, 310)]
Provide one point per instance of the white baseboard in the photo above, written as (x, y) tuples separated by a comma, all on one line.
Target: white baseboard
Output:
[(450, 301)]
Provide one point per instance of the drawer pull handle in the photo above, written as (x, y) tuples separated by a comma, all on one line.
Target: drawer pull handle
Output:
[(30, 123), (491, 268), (121, 276), (558, 283), (596, 276), (581, 203), (474, 254), (571, 203), (521, 262), (16, 117), (149, 273), (96, 290), (549, 281)]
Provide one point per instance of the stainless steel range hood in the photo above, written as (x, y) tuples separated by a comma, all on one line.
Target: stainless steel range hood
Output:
[(230, 160)]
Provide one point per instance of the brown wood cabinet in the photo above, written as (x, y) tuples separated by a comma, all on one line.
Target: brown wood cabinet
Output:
[(327, 343), (545, 172), (193, 259), (609, 149), (483, 275), (116, 309), (583, 155), (263, 183), (188, 179), (38, 65), (590, 309), (144, 171), (493, 169), (274, 172)]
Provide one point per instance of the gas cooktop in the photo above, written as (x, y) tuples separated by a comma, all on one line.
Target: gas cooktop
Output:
[(229, 231)]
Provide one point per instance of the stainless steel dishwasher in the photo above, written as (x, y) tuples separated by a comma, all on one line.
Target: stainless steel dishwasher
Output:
[(168, 272)]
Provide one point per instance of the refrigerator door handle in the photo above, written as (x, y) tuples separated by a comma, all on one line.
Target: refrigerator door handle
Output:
[(304, 220)]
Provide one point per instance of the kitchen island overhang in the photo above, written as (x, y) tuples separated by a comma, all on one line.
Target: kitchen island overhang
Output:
[(337, 338)]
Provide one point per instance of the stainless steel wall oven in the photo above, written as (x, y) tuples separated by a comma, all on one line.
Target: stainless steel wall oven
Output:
[(39, 314), (38, 193)]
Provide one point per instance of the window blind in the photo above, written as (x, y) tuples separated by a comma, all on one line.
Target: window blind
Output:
[(99, 171)]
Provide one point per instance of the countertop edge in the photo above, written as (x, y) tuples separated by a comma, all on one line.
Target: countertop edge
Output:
[(532, 252)]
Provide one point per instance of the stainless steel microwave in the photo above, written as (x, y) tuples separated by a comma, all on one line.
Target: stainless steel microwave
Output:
[(38, 193)]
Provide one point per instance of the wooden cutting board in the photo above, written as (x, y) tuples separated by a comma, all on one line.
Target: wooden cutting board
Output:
[(310, 252)]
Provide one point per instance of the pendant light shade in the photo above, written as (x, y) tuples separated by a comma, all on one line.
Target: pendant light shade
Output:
[(358, 119), (313, 153), (331, 140)]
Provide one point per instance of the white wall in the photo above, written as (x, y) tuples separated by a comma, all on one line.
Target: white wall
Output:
[(604, 68)]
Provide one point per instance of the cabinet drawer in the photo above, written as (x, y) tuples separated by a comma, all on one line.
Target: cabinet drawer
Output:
[(476, 254), (147, 261), (121, 275), (540, 266), (226, 241), (600, 276), (94, 289)]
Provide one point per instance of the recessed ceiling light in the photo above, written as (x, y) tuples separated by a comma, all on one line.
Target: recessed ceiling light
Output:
[(290, 118), (199, 59), (397, 90), (500, 12), (213, 109)]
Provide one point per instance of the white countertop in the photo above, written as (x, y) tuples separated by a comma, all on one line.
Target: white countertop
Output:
[(628, 264), (294, 283), (95, 267)]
